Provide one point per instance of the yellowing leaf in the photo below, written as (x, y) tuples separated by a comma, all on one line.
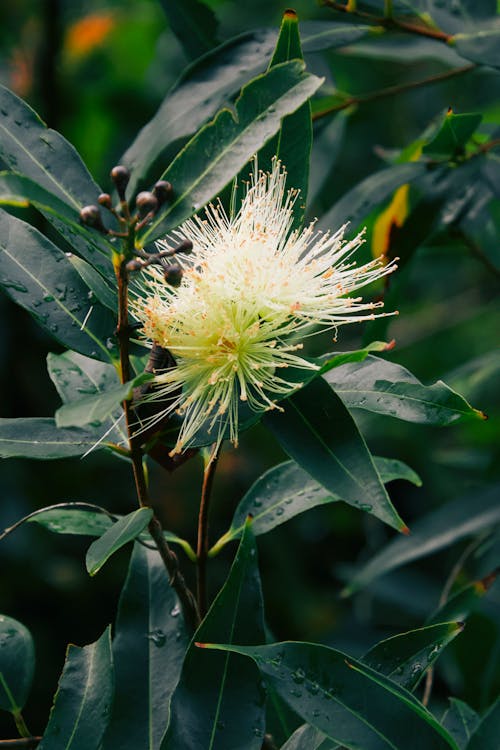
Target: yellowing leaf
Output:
[(393, 216)]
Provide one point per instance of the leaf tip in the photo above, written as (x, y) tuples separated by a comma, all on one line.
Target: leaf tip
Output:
[(405, 530), (201, 645), (290, 15), (390, 345)]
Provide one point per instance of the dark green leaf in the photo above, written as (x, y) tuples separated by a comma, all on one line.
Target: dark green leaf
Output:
[(17, 190), (351, 703), (465, 601), (305, 737), (453, 134), (72, 520), (148, 650), (481, 46), (405, 657), (487, 732), (75, 375), (123, 531), (287, 490), (38, 152), (40, 438), (460, 721), (320, 35), (202, 90), (81, 705), (193, 23), (95, 409), (358, 202), (102, 291), (219, 702), (292, 144), (435, 531), (220, 149), (17, 664), (387, 388), (317, 431), (40, 278)]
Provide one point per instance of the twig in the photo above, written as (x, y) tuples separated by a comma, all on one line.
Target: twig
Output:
[(202, 547), (393, 90), (21, 742), (390, 22)]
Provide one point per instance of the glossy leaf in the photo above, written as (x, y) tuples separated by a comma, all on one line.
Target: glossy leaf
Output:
[(75, 375), (148, 650), (32, 149), (219, 702), (453, 134), (18, 190), (97, 408), (305, 737), (193, 23), (40, 278), (460, 605), (358, 202), (292, 144), (487, 732), (481, 46), (81, 705), (317, 431), (40, 438), (321, 35), (431, 533), (102, 291), (387, 388), (220, 149), (203, 88), (351, 703), (405, 657), (460, 721), (123, 531), (287, 490), (17, 664)]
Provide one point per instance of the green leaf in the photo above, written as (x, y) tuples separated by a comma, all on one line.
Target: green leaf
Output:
[(460, 605), (33, 150), (74, 374), (40, 278), (202, 89), (40, 438), (81, 705), (17, 664), (386, 388), (405, 657), (95, 409), (287, 490), (106, 294), (487, 732), (148, 650), (320, 35), (71, 518), (220, 149), (193, 23), (219, 701), (360, 201), (453, 134), (293, 142), (351, 703), (317, 431), (435, 531), (123, 531), (481, 46), (17, 190), (460, 721), (305, 737)]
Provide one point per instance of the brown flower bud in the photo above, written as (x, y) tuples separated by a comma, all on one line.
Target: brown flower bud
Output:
[(173, 274), (163, 191), (91, 217), (120, 176), (105, 200), (146, 203)]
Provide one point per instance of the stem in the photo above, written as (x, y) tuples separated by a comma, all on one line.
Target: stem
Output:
[(202, 548), (23, 742), (393, 90), (21, 725), (389, 22), (388, 9), (169, 557)]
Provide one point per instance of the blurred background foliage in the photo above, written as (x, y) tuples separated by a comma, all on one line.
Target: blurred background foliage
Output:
[(97, 71)]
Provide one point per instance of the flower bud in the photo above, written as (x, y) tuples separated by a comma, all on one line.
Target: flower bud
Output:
[(91, 217), (173, 274), (105, 200), (185, 246), (163, 191), (120, 176), (146, 203)]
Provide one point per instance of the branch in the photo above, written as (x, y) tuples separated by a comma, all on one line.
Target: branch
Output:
[(21, 742), (390, 22), (393, 90)]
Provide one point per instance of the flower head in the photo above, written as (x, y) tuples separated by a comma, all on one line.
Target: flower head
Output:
[(251, 289)]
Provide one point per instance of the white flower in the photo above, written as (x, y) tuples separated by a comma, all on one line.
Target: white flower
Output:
[(251, 288)]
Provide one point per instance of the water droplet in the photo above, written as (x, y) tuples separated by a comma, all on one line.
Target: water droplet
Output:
[(276, 661), (48, 298), (258, 732), (366, 507), (316, 713), (158, 637), (312, 687), (221, 725), (16, 285), (54, 327), (299, 676), (110, 344), (296, 693), (280, 511), (175, 612)]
